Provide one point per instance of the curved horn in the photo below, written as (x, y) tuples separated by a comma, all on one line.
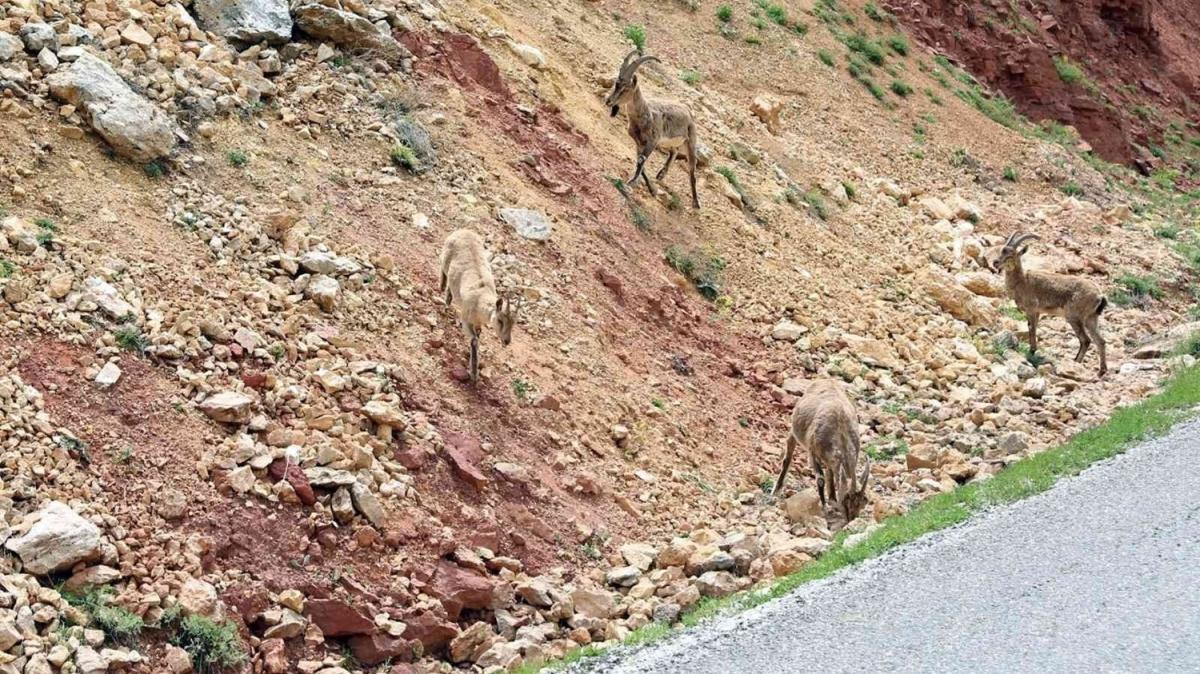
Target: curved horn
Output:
[(625, 62), (1025, 237), (1011, 237), (638, 63)]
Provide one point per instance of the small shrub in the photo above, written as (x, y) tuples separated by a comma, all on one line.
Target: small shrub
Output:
[(887, 448), (1071, 189), (236, 158), (636, 35), (690, 77), (725, 13), (800, 28), (901, 88), (825, 57), (1013, 312), (1165, 178), (703, 269), (155, 169), (732, 178), (521, 389), (997, 108), (340, 61), (7, 269), (1010, 174), (213, 646), (898, 44), (753, 39), (404, 157), (119, 624), (851, 191), (933, 97), (1189, 347)]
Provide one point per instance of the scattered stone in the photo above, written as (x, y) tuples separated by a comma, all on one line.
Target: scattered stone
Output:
[(108, 375), (787, 331), (348, 30), (623, 576), (247, 21), (228, 407), (107, 298), (530, 224), (465, 455), (55, 538), (336, 618), (767, 109), (132, 125)]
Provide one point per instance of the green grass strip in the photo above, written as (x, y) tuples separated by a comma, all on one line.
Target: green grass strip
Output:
[(1029, 476)]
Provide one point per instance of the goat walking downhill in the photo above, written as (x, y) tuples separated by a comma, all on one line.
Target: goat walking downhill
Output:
[(824, 421), (1037, 292), (466, 280), (665, 126)]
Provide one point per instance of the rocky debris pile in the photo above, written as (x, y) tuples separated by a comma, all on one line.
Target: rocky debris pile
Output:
[(126, 70)]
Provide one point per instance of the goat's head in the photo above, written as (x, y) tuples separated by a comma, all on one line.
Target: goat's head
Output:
[(1012, 251), (505, 317), (626, 81), (855, 497)]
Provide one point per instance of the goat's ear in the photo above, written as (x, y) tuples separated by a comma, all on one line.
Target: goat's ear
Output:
[(1024, 249), (633, 81)]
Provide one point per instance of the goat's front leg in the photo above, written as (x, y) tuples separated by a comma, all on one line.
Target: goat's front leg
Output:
[(644, 153), (820, 473), (1033, 322)]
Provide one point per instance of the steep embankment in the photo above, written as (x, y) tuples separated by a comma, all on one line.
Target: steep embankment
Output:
[(236, 364), (1124, 73)]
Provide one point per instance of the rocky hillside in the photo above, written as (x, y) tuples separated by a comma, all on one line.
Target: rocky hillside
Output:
[(237, 433)]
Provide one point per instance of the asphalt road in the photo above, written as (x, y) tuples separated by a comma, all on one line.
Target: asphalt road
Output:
[(1099, 574)]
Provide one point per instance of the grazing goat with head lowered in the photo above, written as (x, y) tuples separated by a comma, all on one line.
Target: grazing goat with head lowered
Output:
[(466, 279), (1037, 292), (665, 126), (825, 422)]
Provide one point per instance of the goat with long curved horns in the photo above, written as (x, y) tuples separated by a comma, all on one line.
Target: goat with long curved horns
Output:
[(665, 126)]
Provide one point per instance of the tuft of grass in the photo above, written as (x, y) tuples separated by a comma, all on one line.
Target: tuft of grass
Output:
[(703, 269), (7, 269), (1168, 230), (816, 203), (874, 13), (640, 219), (404, 157), (861, 44), (1069, 72), (776, 13), (690, 77), (237, 158), (995, 107), (1140, 287), (155, 169), (1071, 189), (214, 646), (1032, 357), (636, 35), (120, 625), (725, 13), (521, 389), (731, 177), (898, 44), (1010, 174), (825, 57), (1013, 312), (901, 88), (130, 338), (46, 231), (851, 190), (1025, 478)]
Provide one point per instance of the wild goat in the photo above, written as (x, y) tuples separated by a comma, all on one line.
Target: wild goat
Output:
[(825, 422), (666, 126), (1037, 292), (468, 284)]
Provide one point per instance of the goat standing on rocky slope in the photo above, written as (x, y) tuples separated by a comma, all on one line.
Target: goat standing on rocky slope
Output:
[(466, 279), (824, 421), (666, 126), (1037, 292)]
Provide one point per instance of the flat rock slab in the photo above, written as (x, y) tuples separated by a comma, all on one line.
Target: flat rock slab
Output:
[(249, 21)]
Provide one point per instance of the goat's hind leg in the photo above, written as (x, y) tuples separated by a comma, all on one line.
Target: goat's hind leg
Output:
[(1082, 336), (662, 173), (787, 463)]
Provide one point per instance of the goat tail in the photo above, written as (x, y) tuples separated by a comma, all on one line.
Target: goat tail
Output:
[(1100, 307)]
